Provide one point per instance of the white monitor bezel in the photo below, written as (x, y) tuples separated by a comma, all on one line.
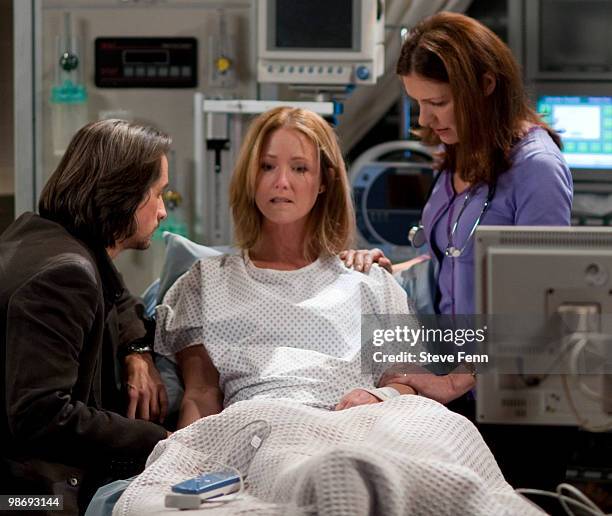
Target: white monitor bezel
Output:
[(367, 32)]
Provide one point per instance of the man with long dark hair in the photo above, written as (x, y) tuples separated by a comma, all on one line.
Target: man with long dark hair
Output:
[(70, 332)]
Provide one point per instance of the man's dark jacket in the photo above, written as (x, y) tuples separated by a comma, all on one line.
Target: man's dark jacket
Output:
[(63, 315)]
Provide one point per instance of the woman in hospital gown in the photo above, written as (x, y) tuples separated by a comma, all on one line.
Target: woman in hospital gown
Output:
[(281, 318)]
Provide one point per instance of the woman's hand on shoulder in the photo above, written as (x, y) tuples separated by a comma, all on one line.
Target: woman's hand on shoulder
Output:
[(355, 398), (362, 259)]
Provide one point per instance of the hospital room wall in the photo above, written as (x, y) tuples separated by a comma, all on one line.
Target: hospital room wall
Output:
[(7, 182), (169, 109)]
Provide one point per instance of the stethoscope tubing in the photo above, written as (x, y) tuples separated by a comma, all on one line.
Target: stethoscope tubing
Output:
[(416, 234)]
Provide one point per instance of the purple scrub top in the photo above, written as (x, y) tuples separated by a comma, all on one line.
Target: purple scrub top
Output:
[(536, 191)]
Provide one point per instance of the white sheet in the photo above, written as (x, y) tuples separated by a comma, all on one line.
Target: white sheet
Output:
[(408, 455)]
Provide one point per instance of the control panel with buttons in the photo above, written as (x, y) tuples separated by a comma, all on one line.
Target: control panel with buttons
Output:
[(315, 73), (125, 62)]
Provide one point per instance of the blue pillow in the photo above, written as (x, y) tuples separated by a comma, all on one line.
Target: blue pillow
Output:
[(181, 253), (420, 284), (149, 298)]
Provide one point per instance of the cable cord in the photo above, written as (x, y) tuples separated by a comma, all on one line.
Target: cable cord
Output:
[(580, 500), (256, 442), (568, 343), (577, 351), (228, 497), (575, 348), (587, 391), (582, 422)]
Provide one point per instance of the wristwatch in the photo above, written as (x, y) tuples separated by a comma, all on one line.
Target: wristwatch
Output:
[(136, 346)]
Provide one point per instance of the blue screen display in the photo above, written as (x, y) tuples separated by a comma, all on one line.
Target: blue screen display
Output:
[(585, 127)]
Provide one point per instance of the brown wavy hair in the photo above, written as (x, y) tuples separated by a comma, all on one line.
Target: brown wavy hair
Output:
[(331, 223), (103, 177), (456, 49)]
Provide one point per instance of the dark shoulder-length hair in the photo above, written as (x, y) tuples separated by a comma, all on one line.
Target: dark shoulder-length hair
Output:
[(103, 177), (456, 49)]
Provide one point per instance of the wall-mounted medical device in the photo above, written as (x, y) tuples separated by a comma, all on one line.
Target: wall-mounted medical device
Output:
[(390, 184), (568, 40), (124, 62), (585, 126), (320, 42), (68, 100)]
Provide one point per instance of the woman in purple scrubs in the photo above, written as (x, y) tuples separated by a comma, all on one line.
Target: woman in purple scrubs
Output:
[(502, 165)]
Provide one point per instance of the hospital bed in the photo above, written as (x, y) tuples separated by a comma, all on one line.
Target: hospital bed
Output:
[(408, 455)]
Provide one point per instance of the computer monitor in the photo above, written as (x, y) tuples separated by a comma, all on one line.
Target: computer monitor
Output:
[(585, 126), (320, 42), (563, 277)]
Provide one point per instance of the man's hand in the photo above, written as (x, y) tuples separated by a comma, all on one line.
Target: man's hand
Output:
[(147, 397), (355, 398), (362, 259)]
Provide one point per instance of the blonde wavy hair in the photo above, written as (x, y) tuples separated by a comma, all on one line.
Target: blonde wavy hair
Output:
[(331, 223)]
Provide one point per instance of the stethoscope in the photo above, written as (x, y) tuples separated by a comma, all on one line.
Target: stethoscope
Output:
[(417, 236)]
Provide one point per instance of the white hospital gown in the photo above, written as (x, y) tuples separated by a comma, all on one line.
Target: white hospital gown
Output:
[(277, 334)]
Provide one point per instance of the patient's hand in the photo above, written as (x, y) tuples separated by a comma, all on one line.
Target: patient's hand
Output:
[(355, 398), (362, 259), (202, 397)]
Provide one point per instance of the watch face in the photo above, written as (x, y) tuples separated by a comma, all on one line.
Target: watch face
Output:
[(143, 349), (136, 347)]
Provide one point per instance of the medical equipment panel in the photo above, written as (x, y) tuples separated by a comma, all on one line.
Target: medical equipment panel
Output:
[(568, 40), (320, 42), (389, 198), (390, 184), (146, 62), (561, 280), (585, 127), (565, 49)]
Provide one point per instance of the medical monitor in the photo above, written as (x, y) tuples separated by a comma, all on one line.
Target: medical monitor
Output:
[(389, 198), (554, 276), (390, 183), (585, 126), (320, 42)]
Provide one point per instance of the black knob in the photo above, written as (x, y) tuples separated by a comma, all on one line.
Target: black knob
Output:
[(69, 61)]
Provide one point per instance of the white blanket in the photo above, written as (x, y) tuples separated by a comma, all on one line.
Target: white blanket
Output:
[(408, 455)]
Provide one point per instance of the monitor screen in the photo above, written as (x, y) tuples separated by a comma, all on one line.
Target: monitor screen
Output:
[(548, 291), (329, 25), (585, 127)]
